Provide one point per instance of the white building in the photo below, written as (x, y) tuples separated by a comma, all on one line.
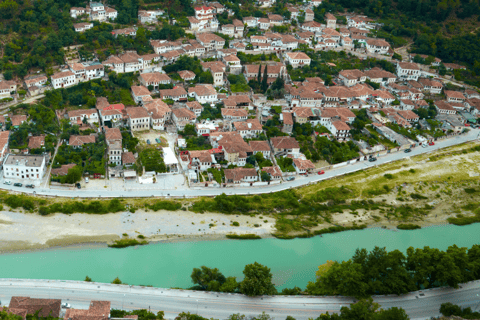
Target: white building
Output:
[(63, 79), (297, 59), (27, 168), (408, 71)]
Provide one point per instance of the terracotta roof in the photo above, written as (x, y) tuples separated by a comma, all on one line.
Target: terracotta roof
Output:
[(139, 91), (202, 155), (273, 171), (302, 112), (329, 16), (129, 57), (175, 92), (157, 108), (340, 125), (80, 112), (238, 174), (298, 55), (194, 105), (137, 112), (234, 112), (36, 142), (408, 65), (184, 113), (302, 164), (376, 73), (287, 118), (249, 124), (45, 307), (63, 170), (209, 37), (113, 134), (18, 312), (284, 143), (444, 105), (76, 140), (259, 146), (128, 157), (63, 74), (186, 74), (430, 83), (454, 94), (352, 74), (18, 119), (378, 43), (203, 90), (233, 142), (155, 77)]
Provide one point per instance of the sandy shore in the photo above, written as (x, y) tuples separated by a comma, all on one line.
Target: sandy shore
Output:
[(26, 231)]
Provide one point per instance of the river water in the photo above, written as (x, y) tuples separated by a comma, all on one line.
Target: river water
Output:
[(293, 262)]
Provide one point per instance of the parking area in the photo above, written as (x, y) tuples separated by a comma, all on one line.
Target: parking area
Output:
[(151, 136), (162, 182)]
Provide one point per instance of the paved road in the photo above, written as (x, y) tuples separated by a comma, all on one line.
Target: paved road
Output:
[(313, 178), (419, 305)]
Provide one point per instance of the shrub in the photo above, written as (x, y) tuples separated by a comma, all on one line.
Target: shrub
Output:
[(247, 236), (408, 226), (470, 190), (141, 236), (123, 243), (417, 196), (165, 205), (389, 176), (88, 279), (235, 224)]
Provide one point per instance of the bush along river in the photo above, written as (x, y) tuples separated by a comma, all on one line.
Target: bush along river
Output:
[(292, 262)]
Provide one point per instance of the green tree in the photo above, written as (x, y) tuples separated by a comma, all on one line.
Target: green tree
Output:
[(117, 281), (230, 285), (88, 279), (259, 75), (265, 176), (207, 278), (265, 79), (257, 281)]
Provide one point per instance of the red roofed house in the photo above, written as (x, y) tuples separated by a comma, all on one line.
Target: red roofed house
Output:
[(239, 175), (274, 172), (138, 119), (248, 129), (339, 129), (303, 166), (288, 145), (260, 146), (78, 141), (44, 307), (454, 96)]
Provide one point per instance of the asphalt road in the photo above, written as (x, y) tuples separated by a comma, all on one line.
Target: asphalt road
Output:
[(419, 305), (301, 181)]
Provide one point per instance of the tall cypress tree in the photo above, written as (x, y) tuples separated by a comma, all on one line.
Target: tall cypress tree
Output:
[(264, 82), (259, 76)]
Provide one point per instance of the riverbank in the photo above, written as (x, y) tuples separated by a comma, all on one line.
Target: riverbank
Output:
[(28, 231)]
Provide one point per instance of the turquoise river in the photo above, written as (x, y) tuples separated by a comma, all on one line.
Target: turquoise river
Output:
[(293, 262)]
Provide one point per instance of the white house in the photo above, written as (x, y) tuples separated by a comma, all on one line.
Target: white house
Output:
[(203, 93), (408, 71), (63, 79), (379, 46), (27, 168), (297, 59)]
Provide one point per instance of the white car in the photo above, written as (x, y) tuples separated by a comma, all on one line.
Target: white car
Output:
[(66, 305), (86, 180), (8, 182)]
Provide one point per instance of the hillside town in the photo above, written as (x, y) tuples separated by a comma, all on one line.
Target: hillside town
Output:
[(238, 103)]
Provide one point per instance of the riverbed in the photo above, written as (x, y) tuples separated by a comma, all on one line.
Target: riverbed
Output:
[(293, 262)]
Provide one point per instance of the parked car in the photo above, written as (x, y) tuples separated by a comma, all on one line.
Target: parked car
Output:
[(431, 143), (290, 178), (321, 172), (467, 125), (66, 305), (8, 182), (148, 141), (373, 159), (408, 150), (424, 145), (17, 184), (78, 185), (31, 186), (86, 180), (158, 140)]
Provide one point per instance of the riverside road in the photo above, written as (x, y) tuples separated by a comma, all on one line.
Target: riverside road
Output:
[(472, 135), (418, 305)]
